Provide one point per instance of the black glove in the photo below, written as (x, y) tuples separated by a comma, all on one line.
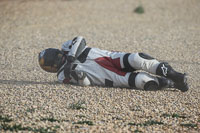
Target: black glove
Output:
[(70, 59), (67, 70)]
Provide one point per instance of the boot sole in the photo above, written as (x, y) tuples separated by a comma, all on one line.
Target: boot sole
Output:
[(183, 87)]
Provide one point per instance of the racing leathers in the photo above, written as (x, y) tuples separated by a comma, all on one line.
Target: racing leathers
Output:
[(94, 66)]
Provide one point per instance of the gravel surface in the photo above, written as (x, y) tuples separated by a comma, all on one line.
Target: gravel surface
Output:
[(31, 100)]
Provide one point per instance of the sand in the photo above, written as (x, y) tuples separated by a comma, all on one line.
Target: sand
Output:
[(31, 100)]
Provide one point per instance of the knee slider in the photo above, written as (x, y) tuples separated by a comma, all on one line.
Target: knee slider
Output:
[(143, 61), (146, 81)]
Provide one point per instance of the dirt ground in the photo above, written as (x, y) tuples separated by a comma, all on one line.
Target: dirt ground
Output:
[(31, 100)]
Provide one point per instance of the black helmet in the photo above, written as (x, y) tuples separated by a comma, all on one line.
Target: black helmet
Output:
[(51, 59)]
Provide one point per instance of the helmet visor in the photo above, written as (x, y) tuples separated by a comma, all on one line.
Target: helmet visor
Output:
[(51, 60)]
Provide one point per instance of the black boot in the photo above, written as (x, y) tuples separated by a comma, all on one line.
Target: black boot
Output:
[(165, 83), (179, 79), (182, 85)]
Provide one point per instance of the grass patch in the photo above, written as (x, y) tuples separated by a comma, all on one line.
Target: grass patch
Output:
[(165, 115), (15, 127), (45, 130), (173, 115), (90, 123), (152, 122), (178, 116), (147, 123), (19, 127), (139, 10), (117, 118), (5, 119), (51, 119), (77, 106), (31, 110), (189, 125), (81, 116), (137, 131)]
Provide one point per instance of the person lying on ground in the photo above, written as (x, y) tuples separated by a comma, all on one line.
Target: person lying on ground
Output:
[(76, 63)]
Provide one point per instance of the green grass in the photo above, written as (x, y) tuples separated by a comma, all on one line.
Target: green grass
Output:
[(15, 127), (152, 122), (51, 119), (81, 116), (90, 123), (31, 110), (19, 127), (189, 125), (174, 115), (137, 131), (4, 125), (178, 116), (5, 119), (147, 123), (139, 10), (117, 118), (77, 106), (165, 115)]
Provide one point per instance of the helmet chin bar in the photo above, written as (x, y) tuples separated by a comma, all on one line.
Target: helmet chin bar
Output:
[(60, 61), (51, 60), (50, 69)]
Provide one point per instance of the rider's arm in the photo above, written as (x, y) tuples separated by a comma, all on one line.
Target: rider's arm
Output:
[(77, 46)]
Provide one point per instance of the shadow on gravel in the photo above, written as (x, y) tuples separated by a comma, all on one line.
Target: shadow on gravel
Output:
[(172, 90), (17, 82)]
